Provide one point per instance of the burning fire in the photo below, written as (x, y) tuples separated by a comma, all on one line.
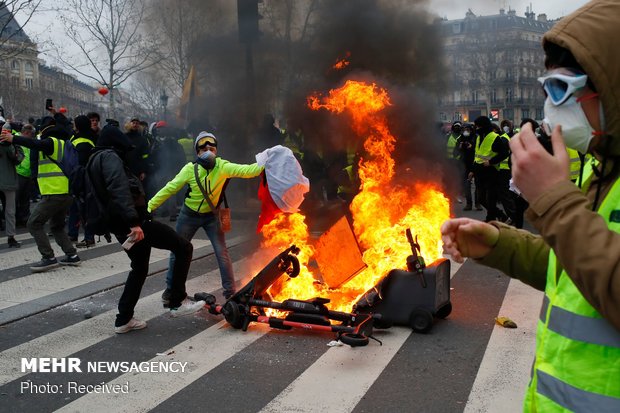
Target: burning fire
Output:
[(382, 210), (342, 63)]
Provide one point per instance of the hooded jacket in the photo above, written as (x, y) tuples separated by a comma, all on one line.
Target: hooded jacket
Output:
[(584, 245), (115, 185)]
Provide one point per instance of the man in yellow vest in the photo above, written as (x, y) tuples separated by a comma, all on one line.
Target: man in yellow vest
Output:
[(490, 151), (453, 155), (24, 180), (54, 187), (576, 258)]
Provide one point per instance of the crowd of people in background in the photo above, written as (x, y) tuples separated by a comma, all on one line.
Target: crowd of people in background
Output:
[(479, 152)]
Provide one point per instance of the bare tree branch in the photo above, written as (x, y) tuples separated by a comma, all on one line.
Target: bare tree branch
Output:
[(108, 35)]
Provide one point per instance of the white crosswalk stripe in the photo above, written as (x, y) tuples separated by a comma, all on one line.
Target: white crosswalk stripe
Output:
[(336, 379)]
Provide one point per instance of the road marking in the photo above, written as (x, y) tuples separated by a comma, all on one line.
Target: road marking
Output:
[(339, 379), (71, 339), (147, 390), (322, 387), (37, 285), (505, 368)]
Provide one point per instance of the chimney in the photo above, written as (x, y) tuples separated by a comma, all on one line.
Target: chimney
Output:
[(542, 17), (502, 12), (512, 12)]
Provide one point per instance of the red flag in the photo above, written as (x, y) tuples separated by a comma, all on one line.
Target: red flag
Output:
[(268, 209)]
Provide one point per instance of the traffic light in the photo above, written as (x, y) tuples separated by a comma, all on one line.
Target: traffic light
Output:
[(247, 12)]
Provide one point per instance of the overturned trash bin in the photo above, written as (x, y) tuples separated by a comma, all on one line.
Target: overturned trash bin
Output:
[(410, 298)]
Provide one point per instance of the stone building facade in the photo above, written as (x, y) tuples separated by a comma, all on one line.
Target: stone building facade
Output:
[(25, 81), (494, 63)]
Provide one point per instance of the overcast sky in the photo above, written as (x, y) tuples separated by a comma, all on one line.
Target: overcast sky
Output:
[(44, 26)]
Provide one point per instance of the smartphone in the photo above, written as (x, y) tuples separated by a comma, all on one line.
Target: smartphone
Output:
[(128, 243), (48, 104)]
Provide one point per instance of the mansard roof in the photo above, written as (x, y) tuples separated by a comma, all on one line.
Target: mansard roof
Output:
[(9, 28)]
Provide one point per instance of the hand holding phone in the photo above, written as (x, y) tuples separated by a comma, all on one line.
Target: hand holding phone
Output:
[(48, 104), (128, 243)]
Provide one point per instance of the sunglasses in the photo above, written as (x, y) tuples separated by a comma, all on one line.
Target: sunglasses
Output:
[(207, 145), (559, 87)]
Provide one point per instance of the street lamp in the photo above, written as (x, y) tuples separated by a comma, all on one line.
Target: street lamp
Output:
[(163, 98)]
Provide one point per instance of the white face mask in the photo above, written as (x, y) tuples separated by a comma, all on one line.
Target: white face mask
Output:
[(466, 133), (576, 129), (506, 129)]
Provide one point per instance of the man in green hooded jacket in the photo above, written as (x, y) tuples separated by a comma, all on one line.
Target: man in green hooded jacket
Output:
[(576, 258)]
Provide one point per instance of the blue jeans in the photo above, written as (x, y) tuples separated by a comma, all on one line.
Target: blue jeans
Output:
[(188, 223)]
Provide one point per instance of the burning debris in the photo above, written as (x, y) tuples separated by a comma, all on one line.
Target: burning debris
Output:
[(381, 212)]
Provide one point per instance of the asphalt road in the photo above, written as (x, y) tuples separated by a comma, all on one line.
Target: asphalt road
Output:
[(465, 363)]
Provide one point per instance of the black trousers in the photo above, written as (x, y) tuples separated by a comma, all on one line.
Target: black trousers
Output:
[(22, 210), (156, 235)]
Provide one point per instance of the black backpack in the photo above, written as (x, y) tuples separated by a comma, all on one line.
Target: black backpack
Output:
[(93, 211)]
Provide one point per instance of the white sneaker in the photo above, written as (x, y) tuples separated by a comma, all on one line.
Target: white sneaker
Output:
[(132, 324), (187, 307)]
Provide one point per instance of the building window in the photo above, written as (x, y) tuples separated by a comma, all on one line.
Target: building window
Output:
[(14, 65), (540, 113), (494, 96), (509, 114), (525, 113), (442, 116), (28, 67), (29, 83), (457, 116), (474, 97), (509, 94)]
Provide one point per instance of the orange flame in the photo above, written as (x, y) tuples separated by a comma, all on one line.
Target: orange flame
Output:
[(342, 63), (382, 210)]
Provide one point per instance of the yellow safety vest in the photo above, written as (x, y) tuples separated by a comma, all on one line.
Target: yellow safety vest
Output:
[(188, 148), (504, 163), (450, 146), (483, 150), (51, 179), (575, 164), (577, 365)]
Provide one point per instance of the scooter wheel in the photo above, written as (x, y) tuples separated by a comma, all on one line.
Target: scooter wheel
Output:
[(444, 311), (421, 320), (232, 314), (354, 340)]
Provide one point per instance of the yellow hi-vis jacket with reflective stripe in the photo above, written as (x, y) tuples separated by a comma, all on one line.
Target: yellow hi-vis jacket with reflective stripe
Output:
[(483, 150), (451, 147), (504, 164), (51, 179), (577, 365), (575, 163)]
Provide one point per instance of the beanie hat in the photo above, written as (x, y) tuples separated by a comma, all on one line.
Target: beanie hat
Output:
[(205, 138)]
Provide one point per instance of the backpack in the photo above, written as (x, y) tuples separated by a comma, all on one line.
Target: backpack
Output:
[(93, 212), (69, 164)]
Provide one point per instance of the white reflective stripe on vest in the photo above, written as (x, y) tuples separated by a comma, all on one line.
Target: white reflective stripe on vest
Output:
[(574, 399)]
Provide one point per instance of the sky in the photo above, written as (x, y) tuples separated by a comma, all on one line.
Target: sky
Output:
[(44, 26)]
